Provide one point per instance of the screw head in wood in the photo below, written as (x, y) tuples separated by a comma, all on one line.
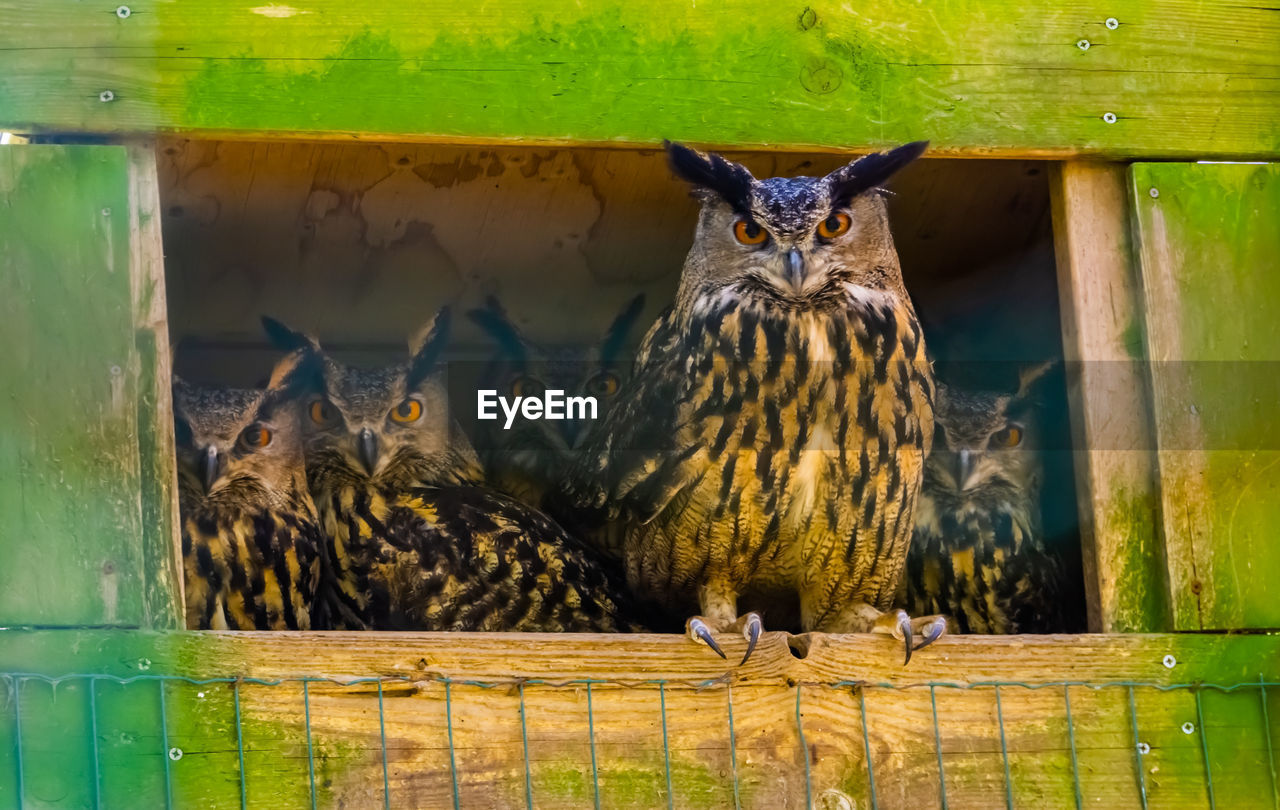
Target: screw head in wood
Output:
[(1143, 748), (1188, 727), (1083, 44), (1110, 118), (1154, 192), (106, 95), (123, 12), (175, 754), (144, 664), (1169, 662), (1112, 23)]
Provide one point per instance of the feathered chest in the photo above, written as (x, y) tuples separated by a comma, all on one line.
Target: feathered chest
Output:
[(840, 385)]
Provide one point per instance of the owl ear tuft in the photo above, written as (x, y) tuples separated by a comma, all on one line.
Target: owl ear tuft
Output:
[(295, 371), (1028, 376), (731, 181), (287, 338), (870, 171), (426, 346), (493, 319), (615, 337)]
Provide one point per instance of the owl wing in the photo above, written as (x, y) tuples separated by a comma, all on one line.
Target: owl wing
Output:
[(470, 558), (638, 459)]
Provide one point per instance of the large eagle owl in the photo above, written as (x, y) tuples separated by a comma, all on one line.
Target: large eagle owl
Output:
[(771, 442), (414, 541), (250, 541), (979, 551)]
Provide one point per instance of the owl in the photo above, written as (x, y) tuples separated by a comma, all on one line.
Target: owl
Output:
[(978, 552), (415, 541), (771, 442), (534, 456), (251, 546)]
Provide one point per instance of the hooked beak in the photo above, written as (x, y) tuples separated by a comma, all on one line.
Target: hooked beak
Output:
[(573, 431), (795, 266), (367, 446), (209, 465), (964, 468)]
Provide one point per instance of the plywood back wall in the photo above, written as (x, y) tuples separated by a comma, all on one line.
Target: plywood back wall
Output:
[(361, 243)]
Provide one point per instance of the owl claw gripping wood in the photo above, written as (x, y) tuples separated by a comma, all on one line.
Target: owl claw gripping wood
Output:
[(771, 441)]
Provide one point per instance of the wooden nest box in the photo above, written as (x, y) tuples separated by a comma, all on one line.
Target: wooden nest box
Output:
[(1099, 183)]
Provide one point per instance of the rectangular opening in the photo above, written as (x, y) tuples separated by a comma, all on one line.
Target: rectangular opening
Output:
[(361, 243)]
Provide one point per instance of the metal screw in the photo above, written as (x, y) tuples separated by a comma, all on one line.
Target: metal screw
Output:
[(1154, 192), (1188, 727), (106, 212), (115, 371), (1143, 748), (1112, 23), (1110, 118), (144, 664), (1170, 662), (175, 754), (106, 95), (1083, 44), (123, 11)]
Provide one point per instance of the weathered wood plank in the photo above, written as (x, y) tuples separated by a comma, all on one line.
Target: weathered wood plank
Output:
[(161, 545), (1208, 246), (457, 709), (1168, 77), (73, 245), (1101, 305)]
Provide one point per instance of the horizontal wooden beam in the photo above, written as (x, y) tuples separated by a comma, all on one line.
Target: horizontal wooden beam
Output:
[(506, 720), (1157, 78)]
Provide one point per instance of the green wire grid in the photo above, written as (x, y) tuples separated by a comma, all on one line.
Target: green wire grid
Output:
[(14, 682)]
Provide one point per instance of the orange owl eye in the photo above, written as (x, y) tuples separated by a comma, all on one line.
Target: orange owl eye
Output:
[(255, 437), (605, 384), (834, 225), (527, 387), (748, 232), (408, 411), (321, 412), (1009, 437)]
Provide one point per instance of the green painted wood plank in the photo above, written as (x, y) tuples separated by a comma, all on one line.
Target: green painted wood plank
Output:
[(127, 738), (72, 549), (1181, 77), (1208, 244)]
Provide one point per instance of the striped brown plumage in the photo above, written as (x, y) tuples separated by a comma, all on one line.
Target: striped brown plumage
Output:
[(250, 538), (772, 441), (413, 538), (979, 552)]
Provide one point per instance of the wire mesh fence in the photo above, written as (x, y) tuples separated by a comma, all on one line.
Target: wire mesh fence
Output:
[(100, 740)]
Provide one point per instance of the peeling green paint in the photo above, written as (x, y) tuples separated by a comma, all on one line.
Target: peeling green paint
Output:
[(968, 75), (1139, 577), (1208, 240)]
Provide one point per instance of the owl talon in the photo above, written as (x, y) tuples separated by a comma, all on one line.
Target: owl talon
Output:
[(933, 631), (698, 631), (751, 631), (904, 625)]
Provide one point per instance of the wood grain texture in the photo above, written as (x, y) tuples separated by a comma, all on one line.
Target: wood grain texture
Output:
[(161, 544), (457, 709), (1110, 400), (1181, 78), (73, 245), (1208, 246)]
